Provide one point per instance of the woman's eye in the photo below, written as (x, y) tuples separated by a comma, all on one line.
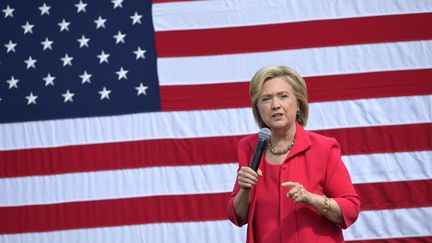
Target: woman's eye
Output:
[(265, 98)]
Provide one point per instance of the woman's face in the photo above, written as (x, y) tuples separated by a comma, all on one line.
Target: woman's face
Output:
[(277, 104)]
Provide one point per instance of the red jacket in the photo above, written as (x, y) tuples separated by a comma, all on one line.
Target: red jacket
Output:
[(315, 162)]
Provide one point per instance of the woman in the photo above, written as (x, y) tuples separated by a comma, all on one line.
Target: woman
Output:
[(302, 191)]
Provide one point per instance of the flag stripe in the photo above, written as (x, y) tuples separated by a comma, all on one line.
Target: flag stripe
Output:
[(181, 208), (382, 139), (168, 1), (197, 151), (396, 223), (396, 240), (308, 62), (176, 180), (219, 123), (313, 34), (219, 14), (198, 179), (102, 213), (324, 88), (206, 231), (408, 194), (167, 232), (375, 168)]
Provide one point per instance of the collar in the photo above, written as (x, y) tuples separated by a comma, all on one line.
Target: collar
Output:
[(302, 142)]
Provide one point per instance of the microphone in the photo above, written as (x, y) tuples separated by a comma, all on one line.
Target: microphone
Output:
[(263, 136)]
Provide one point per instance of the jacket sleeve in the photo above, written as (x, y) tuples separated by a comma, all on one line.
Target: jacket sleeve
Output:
[(243, 155), (338, 186)]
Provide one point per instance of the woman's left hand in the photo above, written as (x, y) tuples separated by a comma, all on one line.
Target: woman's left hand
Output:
[(298, 192)]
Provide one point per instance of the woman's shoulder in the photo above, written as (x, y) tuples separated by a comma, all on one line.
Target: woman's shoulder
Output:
[(315, 137), (248, 140)]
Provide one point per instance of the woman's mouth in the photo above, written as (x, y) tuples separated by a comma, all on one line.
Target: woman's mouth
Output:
[(277, 115)]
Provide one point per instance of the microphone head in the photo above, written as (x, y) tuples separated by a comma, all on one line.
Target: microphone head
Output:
[(264, 134)]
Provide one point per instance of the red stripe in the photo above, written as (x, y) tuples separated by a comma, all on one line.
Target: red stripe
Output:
[(425, 239), (297, 35), (385, 139), (111, 156), (408, 194), (169, 1), (324, 88), (183, 208), (103, 213)]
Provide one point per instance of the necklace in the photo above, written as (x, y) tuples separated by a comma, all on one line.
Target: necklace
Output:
[(281, 151)]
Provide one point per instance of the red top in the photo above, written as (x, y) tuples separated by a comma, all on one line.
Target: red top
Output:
[(315, 162), (267, 206)]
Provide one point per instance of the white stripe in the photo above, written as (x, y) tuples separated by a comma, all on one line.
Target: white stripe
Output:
[(208, 123), (88, 186), (219, 14), (182, 180), (370, 112), (381, 224), (210, 231), (389, 167), (308, 62), (397, 223)]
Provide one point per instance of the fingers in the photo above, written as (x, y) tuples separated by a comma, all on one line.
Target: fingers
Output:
[(259, 172), (297, 192), (289, 184), (247, 178)]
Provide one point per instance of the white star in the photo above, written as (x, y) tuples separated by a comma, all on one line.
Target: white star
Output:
[(104, 93), (68, 96), (103, 57), (122, 73), (139, 53), (64, 25), (31, 99), (117, 3), (12, 82), (136, 18), (10, 46), (30, 62), (27, 27), (81, 6), (47, 44), (49, 80), (100, 22), (67, 60), (44, 9), (83, 41), (85, 77), (8, 11), (141, 89), (119, 37)]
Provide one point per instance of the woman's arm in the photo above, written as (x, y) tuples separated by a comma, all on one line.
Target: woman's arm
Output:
[(246, 179), (327, 207)]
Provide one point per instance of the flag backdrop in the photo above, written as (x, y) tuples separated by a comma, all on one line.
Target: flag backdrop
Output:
[(119, 120)]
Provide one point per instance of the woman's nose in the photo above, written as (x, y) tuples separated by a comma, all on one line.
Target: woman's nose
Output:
[(275, 104)]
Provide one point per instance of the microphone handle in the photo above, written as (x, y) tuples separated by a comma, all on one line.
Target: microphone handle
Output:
[(256, 159)]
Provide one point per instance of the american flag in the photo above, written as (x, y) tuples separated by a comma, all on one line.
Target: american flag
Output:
[(119, 120)]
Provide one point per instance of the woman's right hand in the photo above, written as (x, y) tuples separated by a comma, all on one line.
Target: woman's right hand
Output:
[(247, 178)]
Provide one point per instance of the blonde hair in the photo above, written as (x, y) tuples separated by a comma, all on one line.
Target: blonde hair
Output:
[(293, 78)]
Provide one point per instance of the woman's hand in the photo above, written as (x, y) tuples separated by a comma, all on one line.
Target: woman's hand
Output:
[(298, 192), (247, 178)]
